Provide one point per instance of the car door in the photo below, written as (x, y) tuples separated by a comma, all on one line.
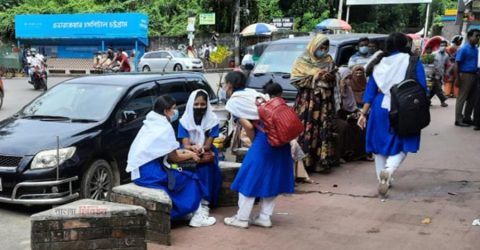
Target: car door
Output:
[(129, 119), (155, 61)]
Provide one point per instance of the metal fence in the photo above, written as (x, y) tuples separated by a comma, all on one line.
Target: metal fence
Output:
[(10, 61)]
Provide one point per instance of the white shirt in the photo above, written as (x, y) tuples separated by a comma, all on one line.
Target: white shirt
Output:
[(36, 60)]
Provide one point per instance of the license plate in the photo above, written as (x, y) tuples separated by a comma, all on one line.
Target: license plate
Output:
[(1, 187)]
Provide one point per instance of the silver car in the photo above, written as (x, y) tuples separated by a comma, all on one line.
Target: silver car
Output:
[(168, 60)]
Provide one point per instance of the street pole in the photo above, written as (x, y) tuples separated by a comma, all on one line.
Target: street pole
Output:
[(340, 9), (348, 14), (236, 31), (425, 32)]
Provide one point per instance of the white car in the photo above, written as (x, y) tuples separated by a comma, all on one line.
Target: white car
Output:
[(168, 60)]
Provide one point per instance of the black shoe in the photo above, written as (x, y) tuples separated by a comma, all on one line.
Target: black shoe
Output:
[(461, 124), (469, 122), (476, 128), (444, 104)]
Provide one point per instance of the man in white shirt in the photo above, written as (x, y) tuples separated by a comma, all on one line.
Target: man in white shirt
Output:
[(247, 61), (36, 59)]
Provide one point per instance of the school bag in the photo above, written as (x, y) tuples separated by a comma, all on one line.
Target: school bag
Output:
[(281, 123), (410, 106)]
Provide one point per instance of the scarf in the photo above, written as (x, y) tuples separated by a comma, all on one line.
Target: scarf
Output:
[(155, 139), (390, 71), (242, 104), (348, 98), (308, 65), (209, 120), (359, 83)]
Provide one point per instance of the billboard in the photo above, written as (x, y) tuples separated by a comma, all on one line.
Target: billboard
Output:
[(375, 2), (82, 26), (207, 18)]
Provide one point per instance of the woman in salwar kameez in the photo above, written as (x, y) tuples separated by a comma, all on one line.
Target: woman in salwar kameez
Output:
[(313, 75)]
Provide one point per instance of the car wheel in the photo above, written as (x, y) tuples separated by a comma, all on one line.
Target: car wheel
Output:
[(98, 181), (1, 99), (177, 67), (146, 69)]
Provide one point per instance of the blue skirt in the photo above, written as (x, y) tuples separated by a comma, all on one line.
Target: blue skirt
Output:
[(210, 176), (266, 171), (185, 196), (381, 138)]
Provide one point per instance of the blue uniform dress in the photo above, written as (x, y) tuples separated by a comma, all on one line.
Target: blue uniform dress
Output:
[(266, 171), (186, 194), (381, 138), (209, 174)]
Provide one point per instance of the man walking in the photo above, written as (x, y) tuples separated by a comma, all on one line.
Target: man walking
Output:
[(440, 61), (466, 68)]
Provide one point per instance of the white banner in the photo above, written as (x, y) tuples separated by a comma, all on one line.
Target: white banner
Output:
[(375, 2)]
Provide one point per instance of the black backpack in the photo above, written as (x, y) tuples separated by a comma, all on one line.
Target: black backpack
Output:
[(410, 106)]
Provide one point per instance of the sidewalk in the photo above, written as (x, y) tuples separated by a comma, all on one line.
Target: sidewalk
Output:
[(343, 210)]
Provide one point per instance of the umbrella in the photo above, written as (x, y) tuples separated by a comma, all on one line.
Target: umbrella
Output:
[(333, 24), (258, 29)]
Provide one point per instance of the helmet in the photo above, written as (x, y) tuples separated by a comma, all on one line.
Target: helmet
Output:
[(33, 51)]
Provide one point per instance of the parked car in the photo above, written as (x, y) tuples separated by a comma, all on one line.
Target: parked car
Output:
[(168, 60), (278, 58), (74, 139)]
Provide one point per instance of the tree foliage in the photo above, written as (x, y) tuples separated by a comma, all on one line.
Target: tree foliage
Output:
[(169, 17)]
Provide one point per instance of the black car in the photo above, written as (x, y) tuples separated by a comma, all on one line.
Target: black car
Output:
[(74, 139), (278, 58)]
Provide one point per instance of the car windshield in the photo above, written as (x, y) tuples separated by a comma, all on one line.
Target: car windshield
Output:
[(178, 54), (281, 57), (75, 101)]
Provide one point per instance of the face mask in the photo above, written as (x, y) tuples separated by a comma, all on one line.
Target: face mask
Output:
[(363, 50), (442, 49), (199, 111), (319, 53), (174, 117)]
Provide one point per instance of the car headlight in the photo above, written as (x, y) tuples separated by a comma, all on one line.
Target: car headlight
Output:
[(48, 158)]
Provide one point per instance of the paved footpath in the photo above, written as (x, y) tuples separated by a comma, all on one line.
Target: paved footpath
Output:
[(440, 187)]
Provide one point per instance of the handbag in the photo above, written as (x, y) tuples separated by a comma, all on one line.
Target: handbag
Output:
[(207, 157)]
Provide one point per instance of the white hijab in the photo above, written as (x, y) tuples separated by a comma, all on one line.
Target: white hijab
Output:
[(209, 120), (390, 71), (155, 139), (242, 104)]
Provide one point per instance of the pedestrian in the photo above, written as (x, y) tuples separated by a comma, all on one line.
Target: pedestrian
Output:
[(350, 143), (149, 162), (313, 75), (358, 84), (389, 148), (465, 71), (197, 129), (362, 56), (247, 61), (450, 89), (440, 62), (266, 171)]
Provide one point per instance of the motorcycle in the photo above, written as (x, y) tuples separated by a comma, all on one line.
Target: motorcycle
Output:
[(39, 77)]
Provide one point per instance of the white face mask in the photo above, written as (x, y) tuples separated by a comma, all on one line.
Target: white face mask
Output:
[(442, 49)]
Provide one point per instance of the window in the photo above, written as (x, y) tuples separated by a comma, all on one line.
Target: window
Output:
[(163, 55), (140, 104), (175, 88), (198, 83)]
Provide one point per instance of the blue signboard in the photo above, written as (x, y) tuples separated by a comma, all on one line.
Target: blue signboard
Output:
[(132, 26)]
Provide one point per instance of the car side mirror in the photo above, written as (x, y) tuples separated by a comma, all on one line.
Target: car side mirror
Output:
[(169, 57), (128, 116)]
